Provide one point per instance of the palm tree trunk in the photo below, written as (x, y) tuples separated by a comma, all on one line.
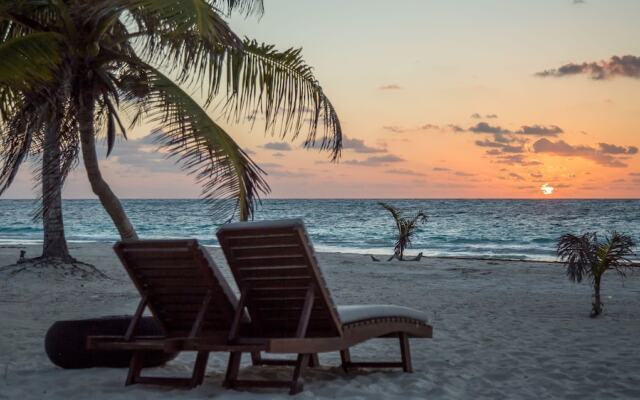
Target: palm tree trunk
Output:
[(55, 243), (597, 305), (110, 202)]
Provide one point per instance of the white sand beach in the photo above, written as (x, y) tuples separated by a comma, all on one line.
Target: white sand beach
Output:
[(502, 329)]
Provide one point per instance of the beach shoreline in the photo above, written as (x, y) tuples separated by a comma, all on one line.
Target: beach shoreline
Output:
[(33, 250), (502, 329)]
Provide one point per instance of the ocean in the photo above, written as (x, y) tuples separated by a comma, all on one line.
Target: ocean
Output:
[(503, 229)]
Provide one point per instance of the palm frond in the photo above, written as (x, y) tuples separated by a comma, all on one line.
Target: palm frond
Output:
[(420, 217), (578, 253), (615, 251), (17, 136), (245, 7), (251, 79), (231, 181), (28, 61), (394, 213), (282, 87), (179, 17)]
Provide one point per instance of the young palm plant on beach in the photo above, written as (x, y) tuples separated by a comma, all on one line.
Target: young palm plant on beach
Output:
[(406, 228), (586, 256), (111, 57)]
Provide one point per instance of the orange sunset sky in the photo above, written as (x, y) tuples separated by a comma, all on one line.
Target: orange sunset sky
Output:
[(444, 99)]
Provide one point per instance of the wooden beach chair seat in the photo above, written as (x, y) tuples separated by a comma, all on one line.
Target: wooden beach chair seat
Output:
[(290, 307), (184, 290)]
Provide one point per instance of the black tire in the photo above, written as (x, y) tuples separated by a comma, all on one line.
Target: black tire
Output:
[(65, 343)]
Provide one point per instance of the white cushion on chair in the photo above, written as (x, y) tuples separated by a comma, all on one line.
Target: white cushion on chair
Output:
[(349, 314)]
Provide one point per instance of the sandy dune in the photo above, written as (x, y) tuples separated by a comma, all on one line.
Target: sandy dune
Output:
[(501, 330)]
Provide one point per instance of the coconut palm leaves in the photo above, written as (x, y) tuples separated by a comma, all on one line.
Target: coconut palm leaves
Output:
[(406, 228), (586, 256), (29, 61), (213, 156), (117, 54)]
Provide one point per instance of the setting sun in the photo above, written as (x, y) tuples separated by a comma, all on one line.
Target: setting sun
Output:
[(546, 189)]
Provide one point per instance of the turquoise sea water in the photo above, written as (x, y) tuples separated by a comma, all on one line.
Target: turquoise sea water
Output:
[(518, 229)]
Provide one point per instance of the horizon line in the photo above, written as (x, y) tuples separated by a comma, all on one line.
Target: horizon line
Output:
[(350, 198)]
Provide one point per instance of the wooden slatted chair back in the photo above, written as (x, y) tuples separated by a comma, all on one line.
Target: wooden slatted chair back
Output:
[(181, 285), (274, 265)]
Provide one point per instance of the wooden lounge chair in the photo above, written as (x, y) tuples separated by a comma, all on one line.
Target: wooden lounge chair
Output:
[(182, 288), (290, 308)]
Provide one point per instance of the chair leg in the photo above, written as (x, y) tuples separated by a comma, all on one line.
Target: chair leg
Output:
[(199, 368), (296, 381), (405, 350), (135, 366), (345, 357), (233, 368), (314, 360), (256, 357)]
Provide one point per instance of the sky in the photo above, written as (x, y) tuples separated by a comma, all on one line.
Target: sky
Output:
[(437, 99)]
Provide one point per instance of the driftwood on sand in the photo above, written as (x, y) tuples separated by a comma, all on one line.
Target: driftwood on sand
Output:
[(397, 257)]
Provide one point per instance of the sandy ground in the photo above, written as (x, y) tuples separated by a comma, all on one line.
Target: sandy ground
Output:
[(501, 330)]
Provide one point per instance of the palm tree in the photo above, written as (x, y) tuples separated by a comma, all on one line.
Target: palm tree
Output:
[(586, 256), (31, 124), (406, 228), (108, 57)]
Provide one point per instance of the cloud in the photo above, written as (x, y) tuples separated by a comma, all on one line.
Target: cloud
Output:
[(358, 146), (274, 169), (501, 143), (456, 173), (487, 116), (531, 130), (465, 174), (249, 151), (456, 128), (376, 160), (513, 149), (267, 165), (607, 155), (516, 176), (391, 86), (579, 2), (540, 130), (290, 174), (143, 153), (483, 127), (395, 129), (625, 66), (488, 143), (278, 155), (279, 146), (400, 171), (517, 159), (428, 127), (615, 149), (425, 127)]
